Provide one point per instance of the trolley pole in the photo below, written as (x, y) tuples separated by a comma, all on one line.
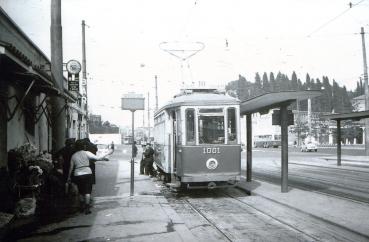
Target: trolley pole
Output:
[(58, 103), (366, 92), (132, 190)]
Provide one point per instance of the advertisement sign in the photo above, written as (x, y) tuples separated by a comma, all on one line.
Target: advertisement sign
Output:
[(73, 85), (133, 102)]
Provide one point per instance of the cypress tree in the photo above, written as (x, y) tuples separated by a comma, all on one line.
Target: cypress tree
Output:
[(294, 85), (272, 82), (257, 85), (266, 85)]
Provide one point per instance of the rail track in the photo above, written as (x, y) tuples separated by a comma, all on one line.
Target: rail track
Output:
[(235, 216), (357, 193)]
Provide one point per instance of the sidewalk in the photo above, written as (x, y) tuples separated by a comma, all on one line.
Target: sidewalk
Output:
[(146, 216), (341, 212)]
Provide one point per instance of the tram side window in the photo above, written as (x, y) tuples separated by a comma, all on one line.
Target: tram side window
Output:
[(232, 134), (190, 126)]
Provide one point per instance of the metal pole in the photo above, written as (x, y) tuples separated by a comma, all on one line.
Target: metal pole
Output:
[(366, 92), (249, 147), (58, 125), (156, 93), (148, 113), (132, 158), (338, 142), (84, 73), (309, 115), (298, 123), (284, 153)]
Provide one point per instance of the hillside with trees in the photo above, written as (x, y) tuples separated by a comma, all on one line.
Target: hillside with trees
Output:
[(335, 98)]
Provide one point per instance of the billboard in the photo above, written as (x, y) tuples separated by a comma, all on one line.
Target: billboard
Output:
[(133, 102)]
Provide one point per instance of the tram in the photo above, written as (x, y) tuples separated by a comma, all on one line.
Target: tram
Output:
[(197, 140)]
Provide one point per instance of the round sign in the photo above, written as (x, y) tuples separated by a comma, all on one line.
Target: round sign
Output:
[(73, 67), (212, 164)]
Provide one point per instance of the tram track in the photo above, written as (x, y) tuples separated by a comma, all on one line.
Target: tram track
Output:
[(337, 178), (271, 216), (343, 231), (235, 216), (235, 220), (328, 168), (357, 188), (321, 188), (208, 220)]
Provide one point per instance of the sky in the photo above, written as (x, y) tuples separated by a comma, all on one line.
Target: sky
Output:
[(240, 37)]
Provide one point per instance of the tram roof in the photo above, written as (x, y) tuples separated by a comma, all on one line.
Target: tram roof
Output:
[(271, 100), (199, 98)]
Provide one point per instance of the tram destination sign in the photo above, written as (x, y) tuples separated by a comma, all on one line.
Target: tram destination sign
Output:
[(133, 101)]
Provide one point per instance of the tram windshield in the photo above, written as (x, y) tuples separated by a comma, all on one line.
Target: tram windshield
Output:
[(211, 126)]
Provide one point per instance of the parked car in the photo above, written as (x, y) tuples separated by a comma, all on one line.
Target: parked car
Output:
[(309, 146)]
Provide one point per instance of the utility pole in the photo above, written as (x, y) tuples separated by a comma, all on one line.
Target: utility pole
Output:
[(84, 74), (148, 112), (366, 92), (58, 103), (156, 93)]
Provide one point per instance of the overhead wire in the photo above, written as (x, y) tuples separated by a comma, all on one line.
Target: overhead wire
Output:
[(351, 5)]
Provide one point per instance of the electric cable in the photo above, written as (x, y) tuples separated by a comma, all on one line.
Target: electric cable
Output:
[(351, 5)]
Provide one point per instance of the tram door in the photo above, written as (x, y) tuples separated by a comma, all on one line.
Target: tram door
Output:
[(173, 142)]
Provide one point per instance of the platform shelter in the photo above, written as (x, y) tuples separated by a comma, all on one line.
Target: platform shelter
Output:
[(262, 104), (355, 116)]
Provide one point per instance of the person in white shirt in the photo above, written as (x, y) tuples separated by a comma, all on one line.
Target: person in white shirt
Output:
[(80, 166)]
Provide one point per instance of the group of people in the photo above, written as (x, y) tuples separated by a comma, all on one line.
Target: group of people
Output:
[(147, 159), (79, 167)]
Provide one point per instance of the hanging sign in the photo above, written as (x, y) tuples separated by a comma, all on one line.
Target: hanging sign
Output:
[(73, 68)]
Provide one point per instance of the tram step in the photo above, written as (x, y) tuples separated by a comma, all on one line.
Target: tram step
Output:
[(174, 184)]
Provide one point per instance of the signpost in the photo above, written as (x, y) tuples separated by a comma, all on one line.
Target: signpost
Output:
[(73, 68), (133, 102)]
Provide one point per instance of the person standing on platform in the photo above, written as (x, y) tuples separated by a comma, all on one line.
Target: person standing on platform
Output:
[(134, 150), (142, 162), (80, 167), (149, 160)]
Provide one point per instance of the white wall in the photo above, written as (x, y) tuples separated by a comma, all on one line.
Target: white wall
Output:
[(105, 138)]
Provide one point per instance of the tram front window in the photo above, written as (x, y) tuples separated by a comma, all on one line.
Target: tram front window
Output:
[(211, 129)]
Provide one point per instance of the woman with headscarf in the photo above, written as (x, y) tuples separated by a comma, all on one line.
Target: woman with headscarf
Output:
[(80, 165)]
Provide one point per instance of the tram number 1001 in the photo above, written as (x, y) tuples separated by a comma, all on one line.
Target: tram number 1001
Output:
[(211, 150)]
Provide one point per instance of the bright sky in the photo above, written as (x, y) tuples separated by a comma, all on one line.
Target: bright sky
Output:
[(123, 38)]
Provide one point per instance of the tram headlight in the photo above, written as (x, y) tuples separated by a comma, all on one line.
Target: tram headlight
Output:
[(211, 164)]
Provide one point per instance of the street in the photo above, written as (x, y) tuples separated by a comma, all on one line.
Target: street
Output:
[(221, 214)]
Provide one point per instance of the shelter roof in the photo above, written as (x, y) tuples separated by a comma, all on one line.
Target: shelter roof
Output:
[(347, 116), (271, 100)]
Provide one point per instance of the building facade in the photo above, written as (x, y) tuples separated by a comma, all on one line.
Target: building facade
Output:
[(26, 88)]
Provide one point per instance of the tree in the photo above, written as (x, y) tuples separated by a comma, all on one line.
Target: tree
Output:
[(266, 85), (258, 86), (272, 82), (294, 85)]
